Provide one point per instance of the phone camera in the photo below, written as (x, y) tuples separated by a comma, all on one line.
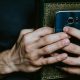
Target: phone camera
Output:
[(70, 20)]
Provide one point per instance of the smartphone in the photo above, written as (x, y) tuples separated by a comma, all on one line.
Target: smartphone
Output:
[(69, 18)]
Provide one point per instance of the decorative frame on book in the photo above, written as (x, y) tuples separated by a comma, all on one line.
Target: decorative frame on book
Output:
[(47, 9), (46, 17)]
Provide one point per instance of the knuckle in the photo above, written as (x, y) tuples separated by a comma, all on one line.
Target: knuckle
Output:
[(63, 43), (24, 37), (33, 55), (30, 57), (59, 44), (27, 48), (62, 35), (29, 38), (45, 62), (40, 52), (22, 32), (46, 50), (33, 63), (46, 39), (71, 48), (36, 63), (58, 59), (48, 29)]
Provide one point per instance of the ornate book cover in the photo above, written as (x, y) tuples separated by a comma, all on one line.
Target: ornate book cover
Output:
[(46, 17)]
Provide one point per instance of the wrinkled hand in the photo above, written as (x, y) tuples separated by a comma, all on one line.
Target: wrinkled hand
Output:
[(28, 54), (74, 49)]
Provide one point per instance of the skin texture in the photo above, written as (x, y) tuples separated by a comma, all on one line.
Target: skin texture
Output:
[(28, 53), (74, 49)]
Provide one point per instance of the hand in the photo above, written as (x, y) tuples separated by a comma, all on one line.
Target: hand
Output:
[(74, 49), (28, 54)]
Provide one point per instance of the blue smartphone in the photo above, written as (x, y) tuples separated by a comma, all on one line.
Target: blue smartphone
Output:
[(68, 18)]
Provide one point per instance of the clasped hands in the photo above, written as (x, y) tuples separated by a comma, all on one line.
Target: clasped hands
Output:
[(28, 53)]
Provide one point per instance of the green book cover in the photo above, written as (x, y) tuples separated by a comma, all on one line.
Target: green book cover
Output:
[(46, 17)]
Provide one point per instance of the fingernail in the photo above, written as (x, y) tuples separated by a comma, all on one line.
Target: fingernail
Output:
[(66, 29), (64, 55), (66, 41)]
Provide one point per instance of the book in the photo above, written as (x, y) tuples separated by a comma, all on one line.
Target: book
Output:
[(46, 17)]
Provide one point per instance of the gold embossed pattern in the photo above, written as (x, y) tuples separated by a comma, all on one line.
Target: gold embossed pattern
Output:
[(48, 19)]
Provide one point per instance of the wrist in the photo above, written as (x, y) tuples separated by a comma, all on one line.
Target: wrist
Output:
[(6, 63)]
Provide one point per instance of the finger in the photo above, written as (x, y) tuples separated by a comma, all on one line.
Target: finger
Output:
[(23, 32), (49, 39), (55, 54), (43, 31), (72, 70), (51, 60), (29, 69), (35, 36), (72, 48), (72, 61), (72, 31), (30, 38), (53, 47)]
